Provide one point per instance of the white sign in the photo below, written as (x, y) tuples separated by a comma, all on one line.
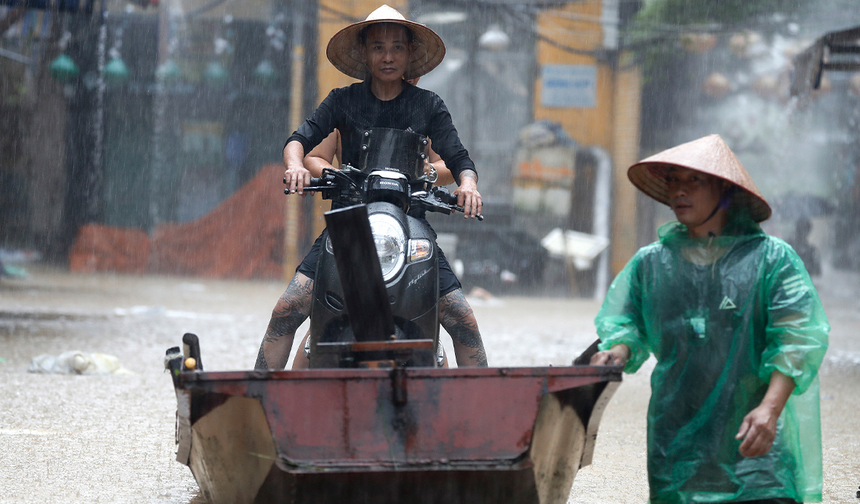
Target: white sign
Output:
[(569, 86)]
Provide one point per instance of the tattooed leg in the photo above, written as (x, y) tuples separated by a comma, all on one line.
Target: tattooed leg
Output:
[(459, 321), (302, 361), (292, 309)]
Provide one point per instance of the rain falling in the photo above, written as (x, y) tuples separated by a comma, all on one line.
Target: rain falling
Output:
[(142, 158)]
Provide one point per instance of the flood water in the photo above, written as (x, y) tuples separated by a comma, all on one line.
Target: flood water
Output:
[(110, 438)]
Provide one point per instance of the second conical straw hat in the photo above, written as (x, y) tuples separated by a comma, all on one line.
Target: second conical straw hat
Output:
[(709, 155)]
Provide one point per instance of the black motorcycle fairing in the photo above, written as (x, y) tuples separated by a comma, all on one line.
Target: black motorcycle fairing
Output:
[(413, 292)]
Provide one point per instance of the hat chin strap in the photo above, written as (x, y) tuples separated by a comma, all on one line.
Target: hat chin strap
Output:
[(724, 203)]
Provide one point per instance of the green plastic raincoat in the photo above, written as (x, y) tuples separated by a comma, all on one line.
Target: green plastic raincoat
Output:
[(720, 315)]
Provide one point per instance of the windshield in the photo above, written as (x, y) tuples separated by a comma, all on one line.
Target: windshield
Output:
[(393, 149)]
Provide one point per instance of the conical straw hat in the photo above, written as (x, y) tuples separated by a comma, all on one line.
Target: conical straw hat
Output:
[(709, 155), (343, 49)]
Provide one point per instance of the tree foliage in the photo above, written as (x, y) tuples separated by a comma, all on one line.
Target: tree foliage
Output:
[(657, 37)]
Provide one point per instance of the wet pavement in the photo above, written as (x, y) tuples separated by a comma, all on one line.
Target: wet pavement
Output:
[(110, 438)]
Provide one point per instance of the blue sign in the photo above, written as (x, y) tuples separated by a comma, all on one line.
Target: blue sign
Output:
[(569, 86)]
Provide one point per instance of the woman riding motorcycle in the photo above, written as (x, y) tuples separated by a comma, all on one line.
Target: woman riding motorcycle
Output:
[(383, 50)]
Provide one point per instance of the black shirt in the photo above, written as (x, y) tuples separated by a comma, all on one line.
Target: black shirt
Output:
[(354, 108)]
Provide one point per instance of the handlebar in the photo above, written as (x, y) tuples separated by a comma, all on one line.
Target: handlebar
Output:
[(451, 200), (317, 184), (445, 202)]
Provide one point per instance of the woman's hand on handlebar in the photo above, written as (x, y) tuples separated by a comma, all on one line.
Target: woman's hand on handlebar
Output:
[(468, 196), (296, 176)]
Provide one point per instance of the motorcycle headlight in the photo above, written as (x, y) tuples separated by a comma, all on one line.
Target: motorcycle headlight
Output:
[(390, 243)]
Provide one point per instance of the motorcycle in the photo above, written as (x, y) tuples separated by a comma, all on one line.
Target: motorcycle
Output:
[(376, 292), (399, 432)]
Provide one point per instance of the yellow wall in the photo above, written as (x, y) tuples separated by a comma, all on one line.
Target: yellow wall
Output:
[(625, 152), (576, 25), (613, 124)]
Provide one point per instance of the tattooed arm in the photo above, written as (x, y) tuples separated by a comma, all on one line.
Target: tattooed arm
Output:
[(291, 310), (459, 321)]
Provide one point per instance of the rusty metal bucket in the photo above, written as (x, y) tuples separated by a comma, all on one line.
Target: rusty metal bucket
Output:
[(404, 435)]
